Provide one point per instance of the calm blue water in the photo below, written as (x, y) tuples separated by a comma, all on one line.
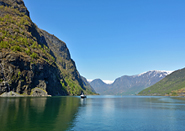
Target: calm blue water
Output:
[(102, 113)]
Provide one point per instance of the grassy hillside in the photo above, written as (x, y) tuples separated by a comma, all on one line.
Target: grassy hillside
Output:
[(16, 37), (172, 85)]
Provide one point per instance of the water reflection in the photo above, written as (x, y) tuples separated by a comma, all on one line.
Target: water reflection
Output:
[(83, 102), (56, 113), (131, 113), (38, 104), (93, 113)]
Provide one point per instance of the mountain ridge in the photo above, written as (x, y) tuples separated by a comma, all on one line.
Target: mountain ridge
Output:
[(127, 85)]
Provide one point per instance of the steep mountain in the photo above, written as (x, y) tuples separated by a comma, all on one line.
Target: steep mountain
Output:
[(32, 61), (171, 85), (128, 85), (99, 86), (88, 86)]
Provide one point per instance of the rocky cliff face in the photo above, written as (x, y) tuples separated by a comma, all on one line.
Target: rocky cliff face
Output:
[(61, 53), (15, 4), (20, 75), (32, 61)]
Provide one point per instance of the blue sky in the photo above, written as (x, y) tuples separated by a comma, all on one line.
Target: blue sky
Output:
[(111, 38)]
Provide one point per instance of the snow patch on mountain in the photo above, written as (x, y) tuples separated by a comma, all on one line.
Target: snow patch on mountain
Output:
[(108, 81), (89, 80), (155, 72)]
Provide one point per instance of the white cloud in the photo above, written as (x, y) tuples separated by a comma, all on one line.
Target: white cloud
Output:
[(108, 81)]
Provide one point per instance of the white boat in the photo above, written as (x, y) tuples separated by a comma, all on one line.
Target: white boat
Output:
[(83, 96)]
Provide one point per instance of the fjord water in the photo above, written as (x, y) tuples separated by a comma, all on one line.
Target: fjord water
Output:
[(102, 113)]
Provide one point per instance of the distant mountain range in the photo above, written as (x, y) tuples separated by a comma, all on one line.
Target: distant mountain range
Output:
[(171, 85), (129, 85)]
